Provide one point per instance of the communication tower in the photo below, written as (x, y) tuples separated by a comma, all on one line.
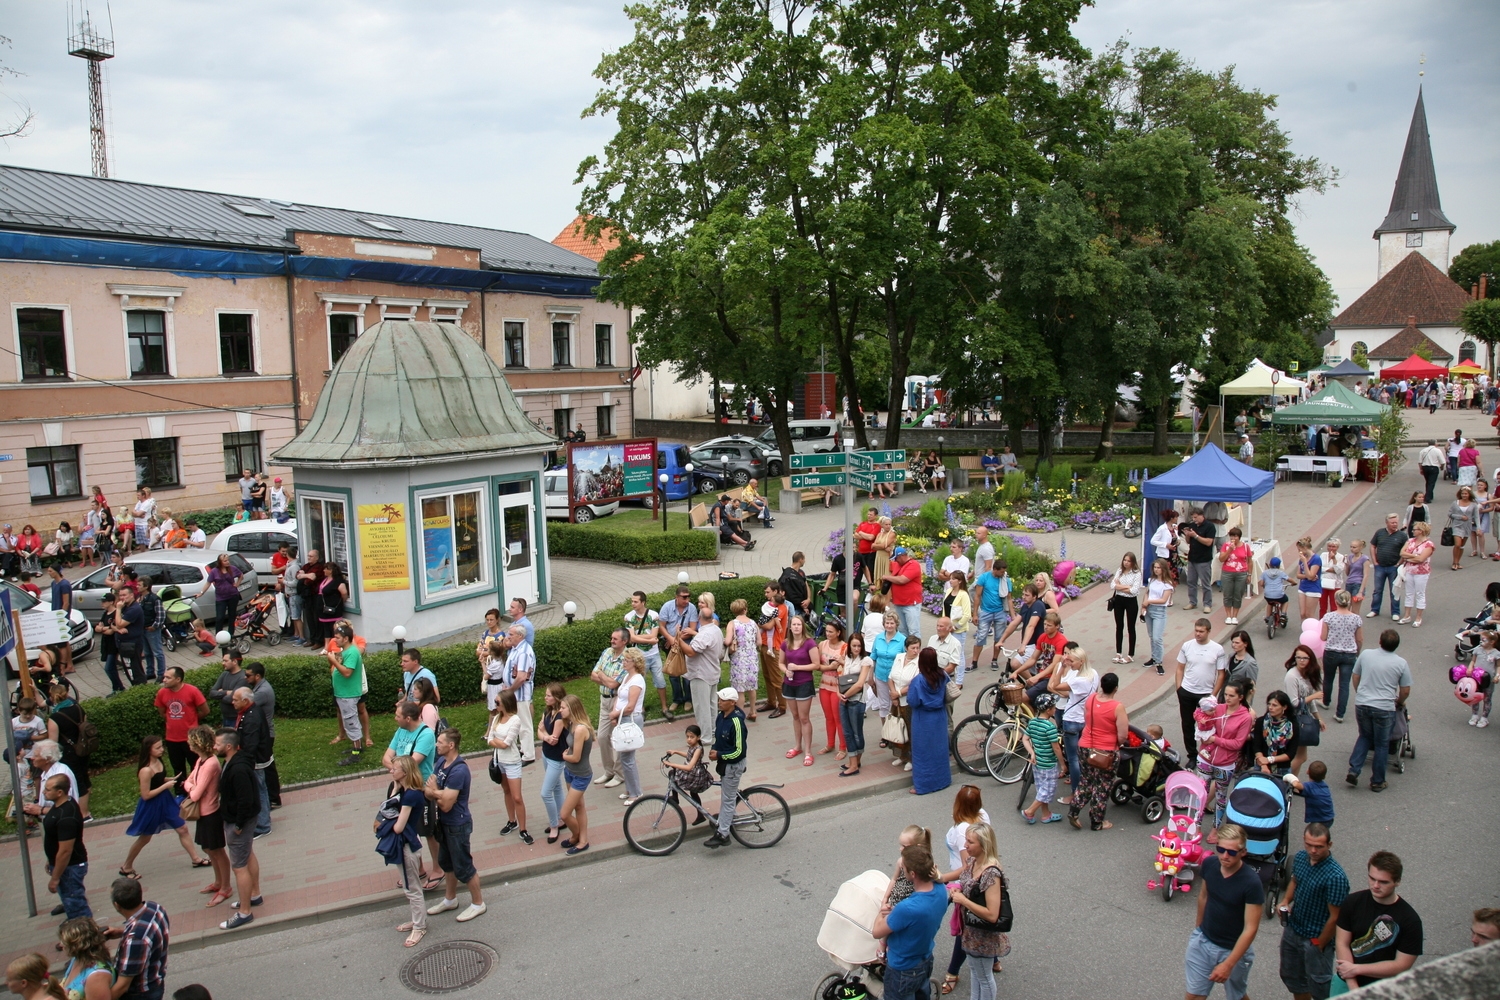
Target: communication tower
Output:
[(95, 43)]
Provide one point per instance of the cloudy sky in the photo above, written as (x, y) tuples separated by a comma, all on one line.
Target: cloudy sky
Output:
[(468, 110)]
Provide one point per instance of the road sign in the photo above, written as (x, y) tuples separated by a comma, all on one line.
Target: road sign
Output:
[(44, 628), (862, 480), (867, 460), (827, 460), (807, 480), (887, 475)]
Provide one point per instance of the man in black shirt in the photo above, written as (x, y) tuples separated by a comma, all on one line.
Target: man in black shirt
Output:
[(1379, 934), (1385, 549), (62, 842), (1222, 947), (1200, 561), (130, 634), (106, 631), (794, 584)]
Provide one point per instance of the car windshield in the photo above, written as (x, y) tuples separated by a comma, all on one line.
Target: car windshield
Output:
[(19, 599)]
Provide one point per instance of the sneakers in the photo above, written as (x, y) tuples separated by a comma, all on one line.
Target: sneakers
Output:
[(1484, 720), (441, 906), (238, 920), (612, 782), (1396, 617), (1373, 614), (508, 828), (1473, 720), (715, 841), (474, 910), (1351, 779), (601, 779)]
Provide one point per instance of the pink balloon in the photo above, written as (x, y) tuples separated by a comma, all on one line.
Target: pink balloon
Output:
[(1062, 571), (1312, 636), (1467, 691)]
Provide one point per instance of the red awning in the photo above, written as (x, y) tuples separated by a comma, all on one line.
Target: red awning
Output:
[(1414, 367)]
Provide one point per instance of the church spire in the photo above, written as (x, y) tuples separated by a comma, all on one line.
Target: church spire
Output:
[(1415, 205)]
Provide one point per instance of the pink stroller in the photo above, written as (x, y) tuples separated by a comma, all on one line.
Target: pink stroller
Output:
[(1180, 841)]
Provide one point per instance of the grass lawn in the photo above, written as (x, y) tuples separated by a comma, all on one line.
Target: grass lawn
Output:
[(638, 521)]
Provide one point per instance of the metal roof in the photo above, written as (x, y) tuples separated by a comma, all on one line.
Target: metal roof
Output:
[(1415, 204), (411, 394), (47, 201)]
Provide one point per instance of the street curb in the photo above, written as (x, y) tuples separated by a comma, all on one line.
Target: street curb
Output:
[(523, 871)]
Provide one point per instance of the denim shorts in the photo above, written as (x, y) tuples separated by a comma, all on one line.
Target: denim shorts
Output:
[(1203, 955), (578, 782), (453, 850)]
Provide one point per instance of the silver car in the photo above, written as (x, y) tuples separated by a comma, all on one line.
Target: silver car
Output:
[(186, 569), (81, 633)]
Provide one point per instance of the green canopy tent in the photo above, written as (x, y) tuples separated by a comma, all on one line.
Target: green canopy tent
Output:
[(1334, 405)]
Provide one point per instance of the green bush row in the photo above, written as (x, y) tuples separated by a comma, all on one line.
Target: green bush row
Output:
[(212, 521), (583, 541), (303, 689)]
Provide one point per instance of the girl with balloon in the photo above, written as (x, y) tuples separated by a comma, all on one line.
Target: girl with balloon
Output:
[(1474, 685)]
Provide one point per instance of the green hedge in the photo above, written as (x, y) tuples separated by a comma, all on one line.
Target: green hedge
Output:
[(586, 542), (212, 521), (303, 689)]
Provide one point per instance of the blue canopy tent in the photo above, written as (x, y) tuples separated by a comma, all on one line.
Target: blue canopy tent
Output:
[(1207, 476)]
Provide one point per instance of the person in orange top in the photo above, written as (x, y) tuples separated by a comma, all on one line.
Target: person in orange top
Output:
[(772, 638)]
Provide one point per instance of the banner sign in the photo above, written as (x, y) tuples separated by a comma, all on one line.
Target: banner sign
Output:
[(612, 470), (382, 547)]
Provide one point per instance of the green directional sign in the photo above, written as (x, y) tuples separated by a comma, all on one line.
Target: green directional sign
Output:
[(887, 475), (807, 480), (828, 460), (866, 460), (862, 480)]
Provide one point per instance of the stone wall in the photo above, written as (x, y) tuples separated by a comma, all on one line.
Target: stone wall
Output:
[(956, 438)]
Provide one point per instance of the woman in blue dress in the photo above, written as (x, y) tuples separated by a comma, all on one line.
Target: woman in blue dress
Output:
[(929, 726), (157, 809)]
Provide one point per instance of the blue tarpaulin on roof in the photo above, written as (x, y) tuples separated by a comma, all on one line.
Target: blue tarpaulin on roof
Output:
[(232, 263)]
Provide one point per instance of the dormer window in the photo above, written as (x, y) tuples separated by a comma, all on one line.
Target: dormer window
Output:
[(1414, 216)]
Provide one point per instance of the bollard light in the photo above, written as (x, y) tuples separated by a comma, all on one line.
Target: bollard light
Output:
[(682, 577), (223, 639), (398, 635), (569, 610)]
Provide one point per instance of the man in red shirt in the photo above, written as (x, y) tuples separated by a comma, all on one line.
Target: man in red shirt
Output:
[(183, 707), (865, 534), (773, 635), (1037, 671), (905, 578)]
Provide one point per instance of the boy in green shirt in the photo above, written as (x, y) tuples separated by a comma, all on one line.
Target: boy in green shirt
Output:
[(1046, 746), (347, 666)]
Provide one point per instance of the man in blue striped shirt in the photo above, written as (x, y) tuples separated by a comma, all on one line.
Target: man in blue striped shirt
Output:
[(1310, 911)]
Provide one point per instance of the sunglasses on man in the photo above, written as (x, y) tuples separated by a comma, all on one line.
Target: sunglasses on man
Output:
[(1228, 852)]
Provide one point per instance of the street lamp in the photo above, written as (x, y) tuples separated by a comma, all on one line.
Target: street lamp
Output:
[(569, 610), (224, 639), (663, 479), (940, 447), (682, 577), (398, 635)]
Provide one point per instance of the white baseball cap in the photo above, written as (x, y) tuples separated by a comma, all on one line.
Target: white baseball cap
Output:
[(728, 694)]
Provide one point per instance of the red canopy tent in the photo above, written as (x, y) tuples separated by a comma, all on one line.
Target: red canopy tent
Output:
[(1414, 367)]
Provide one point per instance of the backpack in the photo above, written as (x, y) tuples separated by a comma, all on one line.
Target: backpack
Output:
[(87, 741)]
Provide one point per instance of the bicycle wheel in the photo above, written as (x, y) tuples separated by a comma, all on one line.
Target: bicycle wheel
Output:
[(655, 825), (967, 743), (988, 702), (1271, 624), (1027, 780), (1004, 754), (761, 817)]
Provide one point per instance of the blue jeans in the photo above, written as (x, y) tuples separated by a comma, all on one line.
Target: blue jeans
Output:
[(114, 675), (154, 654), (1342, 664), (1156, 627), (909, 984), (553, 790), (852, 719), (263, 821), (911, 619), (1384, 575), (70, 891), (1072, 733), (1374, 734)]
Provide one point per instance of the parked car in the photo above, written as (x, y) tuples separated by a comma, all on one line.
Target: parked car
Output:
[(769, 452), (808, 436), (728, 462), (80, 630), (673, 459), (184, 568), (555, 490), (257, 541)]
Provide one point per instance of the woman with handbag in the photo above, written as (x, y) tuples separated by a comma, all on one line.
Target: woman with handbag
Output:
[(957, 604), (1124, 601), (981, 898), (1106, 727), (504, 737), (855, 683), (156, 810), (800, 657), (1075, 683), (629, 713), (1462, 513), (1343, 636), (897, 728), (832, 649), (1304, 679), (201, 804), (927, 714), (1275, 735), (884, 648), (1416, 568)]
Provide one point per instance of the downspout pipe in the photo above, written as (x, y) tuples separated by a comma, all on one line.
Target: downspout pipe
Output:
[(291, 336)]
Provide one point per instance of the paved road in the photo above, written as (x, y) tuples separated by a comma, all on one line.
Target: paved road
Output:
[(704, 923)]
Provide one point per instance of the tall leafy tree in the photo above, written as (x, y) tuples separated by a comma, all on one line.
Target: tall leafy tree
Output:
[(1474, 260)]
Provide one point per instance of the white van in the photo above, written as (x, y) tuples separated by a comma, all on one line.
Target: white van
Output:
[(808, 436)]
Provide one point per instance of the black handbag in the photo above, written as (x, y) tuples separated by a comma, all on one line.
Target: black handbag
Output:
[(1006, 915), (1446, 539), (496, 774), (1309, 734)]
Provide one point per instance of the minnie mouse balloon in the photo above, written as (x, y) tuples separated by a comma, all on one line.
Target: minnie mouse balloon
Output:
[(1467, 691)]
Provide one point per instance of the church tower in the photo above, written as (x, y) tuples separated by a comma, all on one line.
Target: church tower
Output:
[(1416, 222)]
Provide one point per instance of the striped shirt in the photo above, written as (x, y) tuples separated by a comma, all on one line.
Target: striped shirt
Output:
[(1043, 733), (143, 949), (1318, 887)]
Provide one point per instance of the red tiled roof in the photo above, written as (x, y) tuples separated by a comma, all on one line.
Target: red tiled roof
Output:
[(1414, 287), (1406, 343), (574, 238)]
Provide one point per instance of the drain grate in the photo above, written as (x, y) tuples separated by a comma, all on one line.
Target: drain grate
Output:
[(446, 968)]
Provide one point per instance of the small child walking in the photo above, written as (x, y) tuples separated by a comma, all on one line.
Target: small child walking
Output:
[(692, 774), (1317, 799), (1485, 658), (1047, 750)]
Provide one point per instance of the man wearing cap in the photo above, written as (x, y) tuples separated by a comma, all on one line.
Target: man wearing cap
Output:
[(1247, 450), (278, 502), (905, 577), (731, 742)]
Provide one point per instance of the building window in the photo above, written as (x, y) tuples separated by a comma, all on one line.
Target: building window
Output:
[(236, 344), (324, 526), (604, 350), (343, 329), (241, 451), (54, 473), (562, 335), (156, 462), (604, 420), (44, 349), (451, 536), (515, 344), (147, 330), (1467, 351), (1413, 239), (562, 422)]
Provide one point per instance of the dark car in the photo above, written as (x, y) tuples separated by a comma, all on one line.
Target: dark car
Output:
[(727, 462)]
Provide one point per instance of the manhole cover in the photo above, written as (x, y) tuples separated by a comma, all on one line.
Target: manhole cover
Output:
[(446, 968)]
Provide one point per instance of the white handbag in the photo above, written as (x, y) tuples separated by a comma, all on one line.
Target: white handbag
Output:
[(627, 735)]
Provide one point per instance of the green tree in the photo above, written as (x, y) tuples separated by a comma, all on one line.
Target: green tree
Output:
[(1474, 260), (1480, 319)]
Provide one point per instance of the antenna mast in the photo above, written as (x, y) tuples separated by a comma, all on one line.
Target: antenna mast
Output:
[(95, 44)]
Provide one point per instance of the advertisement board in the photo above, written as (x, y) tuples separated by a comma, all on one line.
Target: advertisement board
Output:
[(382, 546), (604, 471)]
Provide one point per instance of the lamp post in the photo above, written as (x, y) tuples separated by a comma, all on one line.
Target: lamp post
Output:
[(682, 576), (663, 479), (223, 639), (398, 635), (940, 447), (569, 610)]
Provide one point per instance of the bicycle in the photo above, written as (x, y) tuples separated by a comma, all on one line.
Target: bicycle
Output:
[(1007, 756), (969, 735), (655, 825)]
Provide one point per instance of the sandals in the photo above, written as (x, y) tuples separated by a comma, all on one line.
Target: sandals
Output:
[(794, 753), (132, 873), (203, 863), (950, 983), (209, 889), (218, 898), (841, 755), (415, 937), (827, 749), (807, 761), (434, 882)]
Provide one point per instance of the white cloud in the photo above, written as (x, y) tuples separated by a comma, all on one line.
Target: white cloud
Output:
[(468, 110)]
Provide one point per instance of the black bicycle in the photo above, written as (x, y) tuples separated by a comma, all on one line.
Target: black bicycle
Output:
[(655, 825)]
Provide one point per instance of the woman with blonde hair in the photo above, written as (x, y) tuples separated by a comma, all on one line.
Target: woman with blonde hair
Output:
[(884, 544), (968, 809), (1416, 566), (979, 897), (90, 973), (408, 795), (577, 771), (1309, 577), (958, 606), (1462, 513), (202, 788), (1045, 591), (28, 977), (504, 738), (1073, 685), (630, 706)]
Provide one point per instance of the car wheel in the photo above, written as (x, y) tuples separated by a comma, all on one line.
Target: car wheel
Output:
[(708, 485), (741, 477), (773, 468), (583, 515)]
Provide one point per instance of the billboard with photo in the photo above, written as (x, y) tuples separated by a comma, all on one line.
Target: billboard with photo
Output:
[(604, 471)]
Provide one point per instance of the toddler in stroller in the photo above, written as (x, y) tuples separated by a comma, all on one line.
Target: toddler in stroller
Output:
[(1141, 772)]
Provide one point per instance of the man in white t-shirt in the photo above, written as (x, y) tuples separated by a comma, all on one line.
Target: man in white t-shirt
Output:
[(196, 538), (1200, 671), (984, 552), (955, 561), (950, 650)]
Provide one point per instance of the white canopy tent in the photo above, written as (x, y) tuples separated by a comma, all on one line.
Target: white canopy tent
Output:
[(1257, 382)]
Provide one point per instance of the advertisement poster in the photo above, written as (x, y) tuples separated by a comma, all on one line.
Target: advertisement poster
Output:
[(614, 470), (640, 466), (437, 554), (382, 546)]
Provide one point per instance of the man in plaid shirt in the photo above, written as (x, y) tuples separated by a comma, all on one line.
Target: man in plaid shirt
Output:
[(1310, 910), (141, 962)]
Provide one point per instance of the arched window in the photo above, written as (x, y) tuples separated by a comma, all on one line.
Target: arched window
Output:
[(1466, 351), (1359, 352)]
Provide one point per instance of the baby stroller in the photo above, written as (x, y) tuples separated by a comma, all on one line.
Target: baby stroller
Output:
[(252, 623), (179, 609), (1180, 850), (1400, 746), (848, 938), (1141, 775), (1261, 805)]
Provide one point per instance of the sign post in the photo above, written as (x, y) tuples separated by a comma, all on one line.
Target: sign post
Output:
[(13, 645)]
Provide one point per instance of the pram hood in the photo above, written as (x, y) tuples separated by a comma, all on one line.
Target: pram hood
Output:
[(1258, 803), (847, 932), (1185, 793)]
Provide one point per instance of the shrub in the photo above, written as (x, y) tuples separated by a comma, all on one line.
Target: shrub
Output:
[(1021, 563), (931, 518), (1012, 487), (1060, 477), (213, 521), (1119, 470), (584, 542)]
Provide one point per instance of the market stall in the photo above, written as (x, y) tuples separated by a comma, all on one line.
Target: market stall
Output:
[(1414, 367), (1335, 406), (1210, 476)]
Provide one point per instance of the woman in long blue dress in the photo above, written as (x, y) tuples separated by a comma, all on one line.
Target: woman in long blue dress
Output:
[(929, 726)]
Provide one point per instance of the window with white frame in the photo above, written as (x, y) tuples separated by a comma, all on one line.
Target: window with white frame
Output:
[(1467, 351), (562, 344), (147, 333), (236, 344), (343, 330), (604, 348), (53, 473), (324, 524), (452, 534), (44, 345), (515, 344)]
